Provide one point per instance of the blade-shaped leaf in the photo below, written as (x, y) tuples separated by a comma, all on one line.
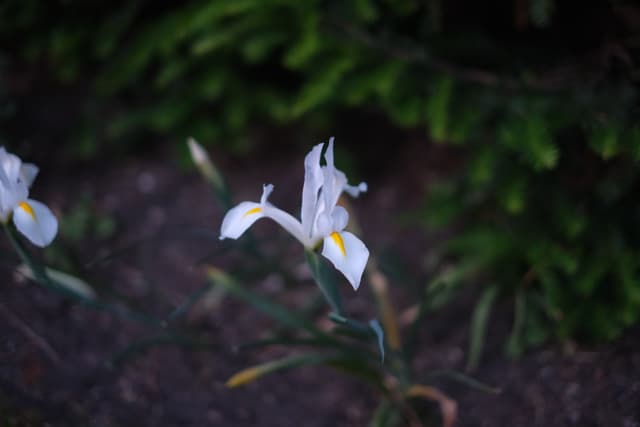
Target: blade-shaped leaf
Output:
[(377, 329), (357, 329), (251, 374), (67, 281), (479, 325), (326, 280)]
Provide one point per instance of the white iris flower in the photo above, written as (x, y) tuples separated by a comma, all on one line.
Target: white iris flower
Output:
[(31, 218), (321, 219)]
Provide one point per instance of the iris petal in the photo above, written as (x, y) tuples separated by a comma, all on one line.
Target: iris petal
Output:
[(348, 255), (36, 222)]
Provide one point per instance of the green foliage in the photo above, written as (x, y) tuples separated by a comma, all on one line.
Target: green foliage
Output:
[(548, 216), (545, 202), (213, 70)]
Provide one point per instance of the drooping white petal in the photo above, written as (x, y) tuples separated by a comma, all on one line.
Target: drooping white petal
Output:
[(288, 222), (242, 216), (312, 182), (36, 222), (239, 219), (284, 219), (28, 173), (347, 254)]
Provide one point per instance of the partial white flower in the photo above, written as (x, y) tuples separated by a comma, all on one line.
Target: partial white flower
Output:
[(31, 218), (322, 220)]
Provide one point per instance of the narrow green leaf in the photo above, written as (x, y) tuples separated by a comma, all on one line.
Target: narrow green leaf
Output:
[(514, 343), (251, 374), (479, 326), (350, 324), (285, 341), (377, 329), (326, 281), (67, 281), (40, 275)]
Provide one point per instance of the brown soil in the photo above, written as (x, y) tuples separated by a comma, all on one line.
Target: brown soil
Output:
[(55, 355)]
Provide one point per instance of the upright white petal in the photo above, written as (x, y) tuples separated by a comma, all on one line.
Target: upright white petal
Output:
[(239, 219), (12, 192), (28, 173), (11, 164), (313, 179), (36, 222), (348, 255)]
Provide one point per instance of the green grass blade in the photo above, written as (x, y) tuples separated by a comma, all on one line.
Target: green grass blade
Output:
[(253, 373), (479, 322), (326, 281)]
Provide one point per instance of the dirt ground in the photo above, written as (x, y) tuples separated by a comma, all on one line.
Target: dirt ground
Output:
[(55, 356)]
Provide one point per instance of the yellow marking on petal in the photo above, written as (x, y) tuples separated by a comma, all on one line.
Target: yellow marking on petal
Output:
[(337, 239), (28, 209), (255, 210)]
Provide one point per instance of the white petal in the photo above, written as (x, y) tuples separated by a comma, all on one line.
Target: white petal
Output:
[(11, 164), (288, 222), (340, 218), (36, 222), (354, 191), (267, 189), (239, 218), (334, 180), (28, 173), (348, 255), (312, 183), (10, 196)]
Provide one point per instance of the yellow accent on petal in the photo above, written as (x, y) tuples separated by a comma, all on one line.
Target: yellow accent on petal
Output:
[(255, 210), (28, 209), (337, 239)]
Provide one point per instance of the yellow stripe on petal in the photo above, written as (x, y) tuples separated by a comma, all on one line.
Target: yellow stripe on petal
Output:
[(28, 209), (337, 239), (255, 210)]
